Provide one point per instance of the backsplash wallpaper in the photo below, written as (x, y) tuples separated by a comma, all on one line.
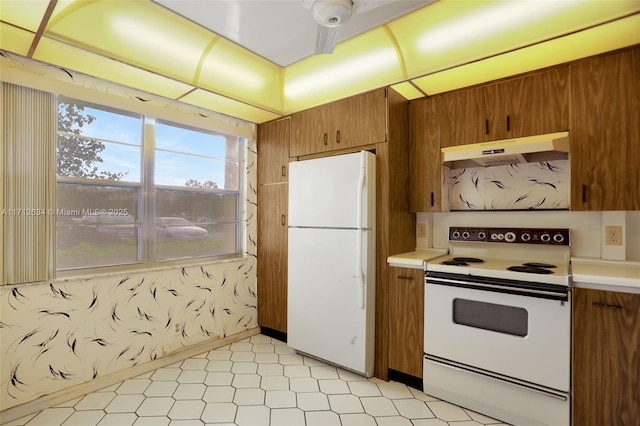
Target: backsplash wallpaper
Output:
[(526, 186), (65, 332)]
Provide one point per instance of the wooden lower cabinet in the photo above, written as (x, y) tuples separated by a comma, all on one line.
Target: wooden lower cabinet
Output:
[(606, 358), (272, 256), (406, 320)]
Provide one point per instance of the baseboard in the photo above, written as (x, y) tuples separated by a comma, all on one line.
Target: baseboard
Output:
[(407, 379), (64, 395), (278, 335)]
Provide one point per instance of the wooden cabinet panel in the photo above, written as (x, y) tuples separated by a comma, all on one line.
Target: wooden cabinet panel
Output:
[(530, 105), (273, 151), (272, 256), (538, 103), (356, 121), (361, 120), (425, 165), (606, 358), (605, 132), (406, 320)]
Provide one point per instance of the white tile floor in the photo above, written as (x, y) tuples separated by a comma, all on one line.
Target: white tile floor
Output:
[(258, 381)]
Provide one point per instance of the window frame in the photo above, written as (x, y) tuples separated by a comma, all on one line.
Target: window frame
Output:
[(147, 191)]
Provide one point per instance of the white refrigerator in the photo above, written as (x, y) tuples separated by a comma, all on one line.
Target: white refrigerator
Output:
[(331, 276)]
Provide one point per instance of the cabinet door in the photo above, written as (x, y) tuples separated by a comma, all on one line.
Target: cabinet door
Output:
[(425, 181), (537, 103), (605, 132), (273, 151), (361, 120), (606, 357), (272, 256), (406, 320), (312, 131), (462, 117)]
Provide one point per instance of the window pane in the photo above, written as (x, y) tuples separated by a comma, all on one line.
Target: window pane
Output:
[(197, 207), (187, 170), (192, 223), (177, 239), (114, 154), (80, 118), (174, 138), (492, 317), (96, 225)]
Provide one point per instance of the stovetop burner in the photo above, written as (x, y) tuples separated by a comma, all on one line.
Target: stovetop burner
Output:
[(539, 265), (530, 269), (462, 261)]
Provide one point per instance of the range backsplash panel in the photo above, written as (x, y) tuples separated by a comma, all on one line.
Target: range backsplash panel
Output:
[(525, 186)]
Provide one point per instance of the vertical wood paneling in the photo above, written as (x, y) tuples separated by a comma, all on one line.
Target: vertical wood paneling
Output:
[(29, 183)]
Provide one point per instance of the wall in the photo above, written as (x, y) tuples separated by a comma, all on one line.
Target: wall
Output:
[(61, 333), (586, 227)]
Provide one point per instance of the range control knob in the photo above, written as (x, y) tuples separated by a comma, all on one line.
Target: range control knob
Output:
[(558, 238), (482, 235), (494, 236), (545, 238), (465, 235), (456, 234), (525, 237), (510, 237)]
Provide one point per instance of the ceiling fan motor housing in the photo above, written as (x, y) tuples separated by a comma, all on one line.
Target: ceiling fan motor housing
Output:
[(332, 13)]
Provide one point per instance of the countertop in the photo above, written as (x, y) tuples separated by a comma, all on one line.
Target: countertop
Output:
[(414, 259), (608, 275)]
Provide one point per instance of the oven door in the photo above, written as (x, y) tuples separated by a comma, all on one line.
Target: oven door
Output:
[(500, 330)]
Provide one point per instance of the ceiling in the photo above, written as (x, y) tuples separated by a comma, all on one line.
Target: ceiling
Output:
[(250, 59), (283, 31)]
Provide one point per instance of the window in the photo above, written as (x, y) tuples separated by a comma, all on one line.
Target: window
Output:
[(131, 190)]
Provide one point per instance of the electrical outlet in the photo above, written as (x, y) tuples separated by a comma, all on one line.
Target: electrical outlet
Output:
[(422, 230), (177, 328), (613, 235)]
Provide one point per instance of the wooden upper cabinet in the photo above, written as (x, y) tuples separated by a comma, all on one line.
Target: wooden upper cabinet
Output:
[(605, 132), (538, 103), (529, 105), (273, 151), (606, 358), (356, 121), (425, 165)]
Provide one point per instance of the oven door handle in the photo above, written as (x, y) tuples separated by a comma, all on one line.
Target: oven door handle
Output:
[(509, 287)]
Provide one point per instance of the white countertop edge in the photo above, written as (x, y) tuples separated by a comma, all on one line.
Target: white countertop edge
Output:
[(414, 259), (596, 274)]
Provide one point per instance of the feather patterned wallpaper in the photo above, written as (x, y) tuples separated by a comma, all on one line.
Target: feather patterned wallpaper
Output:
[(62, 333), (525, 186)]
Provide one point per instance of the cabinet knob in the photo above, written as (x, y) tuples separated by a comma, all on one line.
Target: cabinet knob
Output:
[(284, 170), (326, 138), (404, 277), (486, 126), (433, 199), (508, 123), (283, 220), (337, 136), (584, 193)]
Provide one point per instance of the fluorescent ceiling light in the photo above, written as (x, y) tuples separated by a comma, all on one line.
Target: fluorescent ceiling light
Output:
[(488, 21), (342, 73)]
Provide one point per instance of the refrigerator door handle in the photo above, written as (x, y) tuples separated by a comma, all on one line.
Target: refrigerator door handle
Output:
[(361, 186)]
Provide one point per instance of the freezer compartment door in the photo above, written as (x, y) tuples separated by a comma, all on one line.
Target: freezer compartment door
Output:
[(331, 296), (332, 192)]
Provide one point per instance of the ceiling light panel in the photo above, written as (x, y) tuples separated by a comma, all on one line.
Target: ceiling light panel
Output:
[(25, 14), (450, 33), (356, 65), (233, 71), (63, 55), (141, 33), (15, 40), (604, 38), (214, 102)]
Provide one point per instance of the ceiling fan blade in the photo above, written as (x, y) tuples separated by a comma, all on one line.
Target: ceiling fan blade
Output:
[(326, 39)]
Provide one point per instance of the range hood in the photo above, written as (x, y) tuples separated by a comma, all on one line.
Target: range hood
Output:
[(530, 149)]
